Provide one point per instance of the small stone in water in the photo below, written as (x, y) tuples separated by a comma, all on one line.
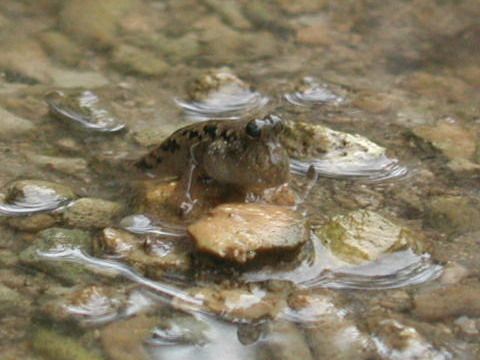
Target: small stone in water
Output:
[(213, 82), (238, 232), (92, 213), (364, 235), (83, 107), (118, 242)]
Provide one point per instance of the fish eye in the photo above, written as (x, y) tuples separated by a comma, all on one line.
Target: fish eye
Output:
[(253, 130)]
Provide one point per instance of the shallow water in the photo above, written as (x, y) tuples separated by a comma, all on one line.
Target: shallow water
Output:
[(399, 79)]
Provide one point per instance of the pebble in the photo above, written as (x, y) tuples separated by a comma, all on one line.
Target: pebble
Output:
[(92, 213)]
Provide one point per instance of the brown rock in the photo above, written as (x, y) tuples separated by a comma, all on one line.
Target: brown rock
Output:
[(451, 301), (242, 303), (238, 232)]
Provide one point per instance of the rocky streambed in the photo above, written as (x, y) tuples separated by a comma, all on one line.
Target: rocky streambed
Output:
[(364, 247)]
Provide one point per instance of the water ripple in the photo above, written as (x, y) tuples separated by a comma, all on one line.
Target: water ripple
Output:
[(25, 208), (140, 224), (361, 167), (110, 267), (230, 105), (313, 93), (83, 108), (390, 271)]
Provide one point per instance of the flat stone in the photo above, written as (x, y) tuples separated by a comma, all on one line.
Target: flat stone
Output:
[(363, 235), (239, 232)]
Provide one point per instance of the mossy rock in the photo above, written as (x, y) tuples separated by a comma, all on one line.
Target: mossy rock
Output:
[(363, 235), (53, 239)]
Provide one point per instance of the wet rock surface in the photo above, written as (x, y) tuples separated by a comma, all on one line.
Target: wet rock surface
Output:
[(239, 232), (91, 213), (53, 240), (364, 236), (379, 100)]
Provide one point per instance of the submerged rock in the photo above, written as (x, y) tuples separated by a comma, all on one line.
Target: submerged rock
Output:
[(309, 92), (27, 197), (85, 306), (85, 108), (177, 328), (157, 198), (92, 213), (364, 235), (33, 223), (451, 213), (149, 254), (283, 340), (337, 154), (251, 303), (70, 166), (449, 301), (239, 232), (52, 241), (221, 95), (160, 257), (214, 82), (328, 331), (124, 339), (134, 60), (117, 243), (395, 340), (446, 137)]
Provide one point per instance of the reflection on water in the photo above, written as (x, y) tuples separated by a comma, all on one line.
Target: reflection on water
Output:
[(110, 267), (399, 269)]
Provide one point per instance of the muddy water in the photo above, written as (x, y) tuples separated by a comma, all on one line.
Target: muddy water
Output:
[(403, 74)]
